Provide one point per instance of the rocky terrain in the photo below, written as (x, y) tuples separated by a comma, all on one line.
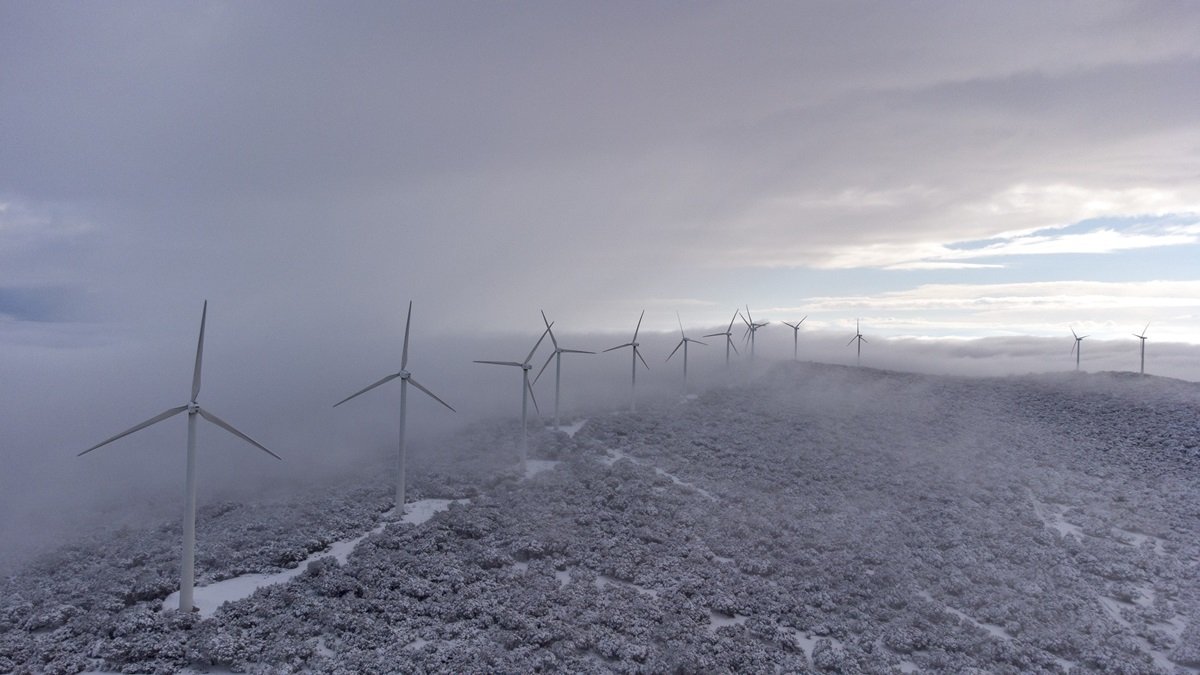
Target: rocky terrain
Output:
[(815, 519)]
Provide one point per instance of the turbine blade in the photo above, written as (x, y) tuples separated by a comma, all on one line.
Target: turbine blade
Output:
[(698, 342), (548, 360), (576, 351), (229, 427), (864, 339), (802, 320), (533, 398), (638, 353), (712, 335), (790, 325), (748, 315), (736, 314), (368, 388), (1146, 329), (639, 326), (407, 323), (537, 344), (199, 354), (675, 350), (504, 363), (431, 394), (1074, 345), (851, 340), (677, 318), (743, 319), (153, 420), (1073, 334), (731, 344), (547, 322), (627, 344)]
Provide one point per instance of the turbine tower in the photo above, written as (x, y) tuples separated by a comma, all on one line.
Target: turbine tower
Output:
[(795, 336), (728, 337), (1077, 348), (637, 354), (858, 337), (187, 571), (405, 380), (683, 342), (526, 393), (1142, 337), (751, 330), (557, 358)]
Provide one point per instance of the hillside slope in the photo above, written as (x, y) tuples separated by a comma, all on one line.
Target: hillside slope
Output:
[(818, 518)]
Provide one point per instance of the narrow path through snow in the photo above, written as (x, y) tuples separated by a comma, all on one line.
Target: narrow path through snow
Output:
[(209, 598)]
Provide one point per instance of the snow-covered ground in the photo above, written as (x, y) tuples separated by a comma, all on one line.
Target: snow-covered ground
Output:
[(818, 519)]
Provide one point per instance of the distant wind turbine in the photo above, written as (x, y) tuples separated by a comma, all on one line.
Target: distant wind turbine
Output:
[(1142, 337), (526, 392), (405, 380), (751, 329), (728, 337), (683, 342), (795, 336), (1077, 348), (858, 336), (557, 358), (637, 354), (187, 565)]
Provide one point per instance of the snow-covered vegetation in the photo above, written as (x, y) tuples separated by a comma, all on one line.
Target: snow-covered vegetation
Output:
[(818, 518)]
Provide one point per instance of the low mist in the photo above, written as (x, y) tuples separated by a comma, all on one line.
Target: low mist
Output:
[(66, 397)]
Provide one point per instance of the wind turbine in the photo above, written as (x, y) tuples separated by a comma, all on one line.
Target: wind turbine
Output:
[(405, 380), (751, 329), (1077, 348), (637, 354), (526, 392), (795, 335), (728, 337), (557, 358), (187, 574), (1142, 337), (683, 342), (858, 336)]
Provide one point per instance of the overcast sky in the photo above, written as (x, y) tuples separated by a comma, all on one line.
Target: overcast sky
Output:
[(948, 169)]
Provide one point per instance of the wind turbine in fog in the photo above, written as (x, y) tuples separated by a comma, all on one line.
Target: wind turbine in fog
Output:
[(557, 357), (1077, 348), (187, 566), (858, 336), (751, 329), (405, 380), (683, 342), (526, 393), (1142, 337), (728, 337), (795, 336), (637, 354)]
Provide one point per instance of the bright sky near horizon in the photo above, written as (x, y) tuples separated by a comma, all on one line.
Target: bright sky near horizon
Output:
[(935, 168)]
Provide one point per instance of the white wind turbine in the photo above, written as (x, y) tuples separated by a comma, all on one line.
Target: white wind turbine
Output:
[(728, 337), (526, 393), (858, 336), (683, 342), (1077, 348), (795, 336), (187, 566), (405, 380), (557, 358), (637, 354), (1143, 338), (751, 329)]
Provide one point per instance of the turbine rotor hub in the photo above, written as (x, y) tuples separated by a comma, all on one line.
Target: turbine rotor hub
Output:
[(193, 408), (404, 374)]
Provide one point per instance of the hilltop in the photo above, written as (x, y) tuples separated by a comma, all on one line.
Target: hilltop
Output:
[(817, 518)]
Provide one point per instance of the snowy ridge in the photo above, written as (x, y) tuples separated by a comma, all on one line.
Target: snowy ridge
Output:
[(866, 521)]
